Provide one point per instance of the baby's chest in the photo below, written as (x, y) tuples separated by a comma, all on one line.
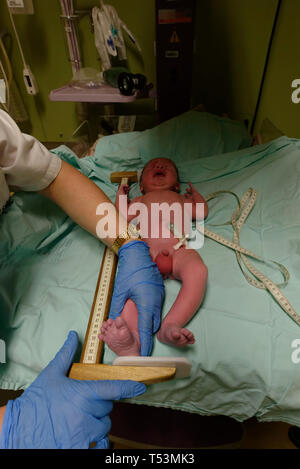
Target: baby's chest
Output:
[(162, 199), (162, 211)]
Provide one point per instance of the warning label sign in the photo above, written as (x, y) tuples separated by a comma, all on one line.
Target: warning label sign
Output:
[(174, 38), (172, 16)]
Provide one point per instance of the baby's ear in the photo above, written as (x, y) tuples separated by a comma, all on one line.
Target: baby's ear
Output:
[(141, 188)]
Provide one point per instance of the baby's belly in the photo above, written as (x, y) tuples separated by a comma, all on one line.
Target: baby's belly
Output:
[(155, 226), (164, 239)]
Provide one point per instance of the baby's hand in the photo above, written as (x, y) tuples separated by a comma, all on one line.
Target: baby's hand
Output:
[(192, 195), (123, 189), (190, 192)]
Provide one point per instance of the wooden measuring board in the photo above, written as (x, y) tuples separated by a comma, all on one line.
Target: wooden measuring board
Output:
[(93, 347)]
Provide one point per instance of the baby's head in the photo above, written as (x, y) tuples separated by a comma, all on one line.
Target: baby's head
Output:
[(159, 174)]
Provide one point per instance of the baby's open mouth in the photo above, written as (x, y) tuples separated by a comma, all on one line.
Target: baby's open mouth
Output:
[(159, 173)]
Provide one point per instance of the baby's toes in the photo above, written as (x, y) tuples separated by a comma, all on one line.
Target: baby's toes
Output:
[(189, 336), (175, 334), (105, 326), (120, 323)]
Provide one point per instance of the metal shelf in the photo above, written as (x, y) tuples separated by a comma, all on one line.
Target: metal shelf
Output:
[(104, 94)]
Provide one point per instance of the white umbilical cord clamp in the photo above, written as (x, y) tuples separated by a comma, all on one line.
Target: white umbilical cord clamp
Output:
[(182, 241)]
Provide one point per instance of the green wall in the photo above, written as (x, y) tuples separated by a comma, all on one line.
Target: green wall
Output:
[(284, 67), (232, 42)]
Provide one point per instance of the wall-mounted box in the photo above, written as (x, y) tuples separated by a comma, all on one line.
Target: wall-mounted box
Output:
[(174, 56), (21, 7)]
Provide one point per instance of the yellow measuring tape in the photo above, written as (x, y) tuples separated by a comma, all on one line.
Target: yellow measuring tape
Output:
[(238, 218)]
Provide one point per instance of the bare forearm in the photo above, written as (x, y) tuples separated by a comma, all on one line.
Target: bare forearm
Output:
[(2, 412), (123, 207), (79, 198)]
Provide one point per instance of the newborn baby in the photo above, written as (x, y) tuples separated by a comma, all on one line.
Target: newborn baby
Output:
[(159, 183)]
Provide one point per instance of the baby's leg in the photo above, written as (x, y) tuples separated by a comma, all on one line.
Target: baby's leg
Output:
[(190, 269), (121, 334)]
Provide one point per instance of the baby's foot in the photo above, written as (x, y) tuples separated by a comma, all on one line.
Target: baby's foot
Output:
[(119, 338), (172, 334)]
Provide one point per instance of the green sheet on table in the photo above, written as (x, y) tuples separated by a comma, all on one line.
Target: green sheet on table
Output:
[(242, 359)]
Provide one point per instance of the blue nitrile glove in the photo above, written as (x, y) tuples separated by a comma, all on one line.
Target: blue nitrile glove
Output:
[(59, 412), (139, 279)]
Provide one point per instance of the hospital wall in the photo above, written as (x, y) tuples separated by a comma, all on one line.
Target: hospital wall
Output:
[(231, 44), (284, 67), (233, 38)]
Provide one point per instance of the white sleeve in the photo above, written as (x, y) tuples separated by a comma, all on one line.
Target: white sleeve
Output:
[(27, 165)]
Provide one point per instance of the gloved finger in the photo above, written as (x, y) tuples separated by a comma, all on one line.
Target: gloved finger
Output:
[(146, 328), (114, 390), (88, 398), (64, 358), (156, 323), (148, 322), (149, 305), (117, 304), (98, 431), (102, 444), (146, 340)]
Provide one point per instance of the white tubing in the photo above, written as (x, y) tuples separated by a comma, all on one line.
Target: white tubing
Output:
[(17, 38), (74, 54)]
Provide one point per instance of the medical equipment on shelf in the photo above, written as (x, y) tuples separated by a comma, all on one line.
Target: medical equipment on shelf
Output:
[(104, 94), (109, 39), (68, 16), (145, 369), (87, 78), (117, 77), (128, 83), (110, 45), (29, 79), (30, 82)]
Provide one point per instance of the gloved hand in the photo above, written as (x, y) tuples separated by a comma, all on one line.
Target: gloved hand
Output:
[(139, 279), (59, 412)]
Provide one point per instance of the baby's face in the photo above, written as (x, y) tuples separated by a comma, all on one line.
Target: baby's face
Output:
[(159, 174)]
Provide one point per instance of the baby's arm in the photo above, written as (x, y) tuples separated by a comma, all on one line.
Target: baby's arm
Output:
[(191, 195), (123, 203), (123, 191)]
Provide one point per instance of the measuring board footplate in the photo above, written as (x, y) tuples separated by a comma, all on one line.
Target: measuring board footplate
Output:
[(182, 365), (146, 375)]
